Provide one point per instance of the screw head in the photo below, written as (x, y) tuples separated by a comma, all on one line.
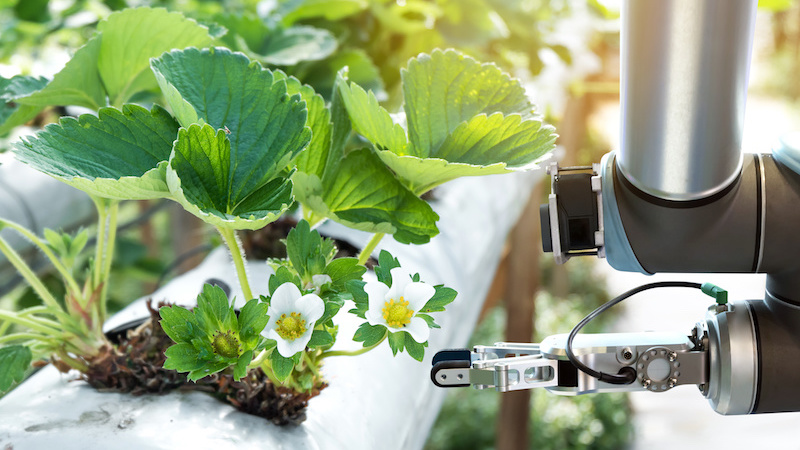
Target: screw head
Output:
[(646, 383), (672, 382)]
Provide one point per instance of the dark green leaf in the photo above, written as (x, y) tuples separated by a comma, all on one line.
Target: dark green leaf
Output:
[(429, 320), (214, 311), (14, 361), (370, 334), (360, 297), (333, 303), (12, 113), (397, 342), (320, 338), (307, 251), (252, 320), (180, 324), (414, 348), (282, 367), (443, 297), (283, 275), (199, 176), (183, 357), (342, 270), (289, 46), (386, 262), (240, 369), (117, 154), (209, 368)]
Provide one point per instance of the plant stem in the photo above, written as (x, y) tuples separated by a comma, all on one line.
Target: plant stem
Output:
[(24, 336), (73, 285), (311, 364), (361, 351), (229, 236), (31, 322), (72, 362), (108, 257), (28, 274), (258, 360), (365, 254), (97, 266)]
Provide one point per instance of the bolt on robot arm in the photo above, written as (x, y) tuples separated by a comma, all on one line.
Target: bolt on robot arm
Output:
[(678, 196)]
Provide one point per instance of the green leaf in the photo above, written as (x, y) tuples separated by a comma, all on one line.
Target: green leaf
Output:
[(342, 270), (443, 297), (360, 297), (214, 311), (464, 119), (117, 154), (333, 10), (283, 275), (370, 119), (362, 193), (12, 113), (199, 176), (252, 320), (183, 357), (397, 341), (289, 46), (415, 349), (311, 160), (265, 130), (429, 320), (333, 303), (77, 84), (386, 262), (240, 369), (180, 324), (320, 338), (281, 367), (307, 251), (209, 368), (124, 67), (370, 334), (14, 361)]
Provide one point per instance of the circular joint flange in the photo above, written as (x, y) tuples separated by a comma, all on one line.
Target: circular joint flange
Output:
[(658, 369)]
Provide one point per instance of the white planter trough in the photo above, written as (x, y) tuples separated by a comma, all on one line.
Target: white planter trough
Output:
[(373, 401)]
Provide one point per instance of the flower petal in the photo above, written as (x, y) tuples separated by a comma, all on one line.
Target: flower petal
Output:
[(310, 306), (400, 278), (417, 295), (376, 291), (284, 298), (287, 349), (418, 329)]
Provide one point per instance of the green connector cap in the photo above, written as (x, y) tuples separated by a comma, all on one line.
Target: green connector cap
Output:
[(712, 290)]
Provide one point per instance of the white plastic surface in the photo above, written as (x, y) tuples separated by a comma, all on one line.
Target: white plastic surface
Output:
[(373, 401)]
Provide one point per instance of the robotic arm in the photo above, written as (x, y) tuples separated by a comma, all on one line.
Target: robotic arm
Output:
[(678, 196)]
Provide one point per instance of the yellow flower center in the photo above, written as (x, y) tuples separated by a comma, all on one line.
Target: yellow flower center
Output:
[(226, 344), (291, 327), (397, 314)]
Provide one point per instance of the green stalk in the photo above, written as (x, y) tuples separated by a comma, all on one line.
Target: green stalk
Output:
[(28, 274), (68, 278), (72, 362), (229, 236), (363, 257), (258, 360), (361, 351), (25, 336), (111, 237), (97, 267), (311, 364), (34, 323)]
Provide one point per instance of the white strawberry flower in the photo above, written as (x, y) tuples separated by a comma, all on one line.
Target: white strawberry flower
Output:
[(396, 308), (292, 317)]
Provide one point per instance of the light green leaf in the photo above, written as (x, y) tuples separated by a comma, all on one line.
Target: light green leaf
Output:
[(12, 113), (333, 303), (397, 342), (289, 46), (240, 369), (77, 84), (370, 119), (264, 125), (214, 311), (446, 88), (369, 334), (117, 154), (415, 349), (363, 194), (360, 70), (342, 270), (294, 10), (199, 177), (14, 361), (133, 36), (183, 357), (307, 251)]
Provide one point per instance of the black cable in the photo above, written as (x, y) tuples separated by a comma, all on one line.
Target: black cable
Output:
[(626, 375)]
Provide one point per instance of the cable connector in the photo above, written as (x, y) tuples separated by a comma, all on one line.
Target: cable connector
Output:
[(712, 290)]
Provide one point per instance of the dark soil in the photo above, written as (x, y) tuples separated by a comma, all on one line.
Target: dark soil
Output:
[(135, 366)]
